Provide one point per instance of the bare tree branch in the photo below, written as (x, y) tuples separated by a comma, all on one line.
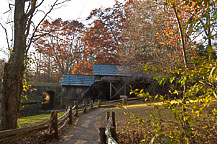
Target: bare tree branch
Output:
[(33, 34), (6, 35), (40, 3)]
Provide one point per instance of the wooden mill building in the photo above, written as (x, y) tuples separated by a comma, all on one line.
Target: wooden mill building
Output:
[(107, 82)]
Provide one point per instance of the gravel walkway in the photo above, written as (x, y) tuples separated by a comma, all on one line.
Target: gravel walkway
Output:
[(85, 131)]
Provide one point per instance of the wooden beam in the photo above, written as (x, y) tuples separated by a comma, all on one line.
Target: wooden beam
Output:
[(114, 87), (110, 90), (117, 91), (125, 88), (102, 136)]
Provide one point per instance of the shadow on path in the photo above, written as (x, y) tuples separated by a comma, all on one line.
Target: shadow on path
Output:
[(85, 131)]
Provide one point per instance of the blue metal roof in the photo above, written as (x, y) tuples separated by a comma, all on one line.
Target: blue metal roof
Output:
[(77, 80), (110, 70)]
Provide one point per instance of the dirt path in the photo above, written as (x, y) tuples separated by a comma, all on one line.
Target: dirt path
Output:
[(85, 131)]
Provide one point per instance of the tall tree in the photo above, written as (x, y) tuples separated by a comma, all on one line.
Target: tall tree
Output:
[(60, 44), (197, 20), (14, 69), (139, 43), (202, 22), (102, 38), (2, 63)]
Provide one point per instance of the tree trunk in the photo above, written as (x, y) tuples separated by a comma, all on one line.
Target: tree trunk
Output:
[(186, 123), (14, 70), (209, 31)]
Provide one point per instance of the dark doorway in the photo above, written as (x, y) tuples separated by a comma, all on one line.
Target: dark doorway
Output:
[(48, 100)]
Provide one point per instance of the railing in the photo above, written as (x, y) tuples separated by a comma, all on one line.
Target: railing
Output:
[(108, 133), (124, 100), (51, 126)]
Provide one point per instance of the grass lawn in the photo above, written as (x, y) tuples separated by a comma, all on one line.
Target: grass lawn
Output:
[(36, 119)]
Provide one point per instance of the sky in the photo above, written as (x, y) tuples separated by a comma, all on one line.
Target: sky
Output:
[(73, 10)]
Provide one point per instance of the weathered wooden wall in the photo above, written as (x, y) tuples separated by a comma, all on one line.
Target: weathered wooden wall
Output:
[(72, 93)]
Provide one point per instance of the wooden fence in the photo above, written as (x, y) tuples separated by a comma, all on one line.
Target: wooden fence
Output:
[(51, 126), (107, 134), (54, 124)]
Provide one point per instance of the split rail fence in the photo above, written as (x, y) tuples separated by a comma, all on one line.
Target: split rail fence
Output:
[(107, 134), (54, 124), (51, 126)]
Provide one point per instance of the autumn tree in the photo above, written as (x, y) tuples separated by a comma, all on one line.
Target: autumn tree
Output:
[(139, 43), (202, 21), (103, 37), (24, 11), (151, 34), (190, 83), (60, 46), (188, 22), (135, 35)]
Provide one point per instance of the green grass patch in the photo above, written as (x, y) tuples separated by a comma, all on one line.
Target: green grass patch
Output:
[(36, 119)]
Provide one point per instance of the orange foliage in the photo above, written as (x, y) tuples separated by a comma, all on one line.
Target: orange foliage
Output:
[(59, 42), (169, 36), (101, 39)]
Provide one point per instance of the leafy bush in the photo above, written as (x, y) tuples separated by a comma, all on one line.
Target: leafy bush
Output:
[(193, 116)]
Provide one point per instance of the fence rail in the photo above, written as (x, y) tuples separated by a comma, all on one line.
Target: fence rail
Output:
[(108, 133), (51, 126), (110, 130)]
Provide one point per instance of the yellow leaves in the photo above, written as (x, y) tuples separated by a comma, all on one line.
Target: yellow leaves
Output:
[(204, 127), (175, 92), (198, 113), (214, 112), (185, 118), (172, 79), (187, 140), (34, 89), (26, 86), (26, 97)]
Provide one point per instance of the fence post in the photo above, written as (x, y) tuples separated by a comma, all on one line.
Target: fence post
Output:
[(102, 136), (66, 107), (85, 107), (113, 133), (55, 124), (70, 115), (91, 104), (76, 108), (51, 125), (125, 100), (113, 128), (107, 117), (113, 120), (99, 103)]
